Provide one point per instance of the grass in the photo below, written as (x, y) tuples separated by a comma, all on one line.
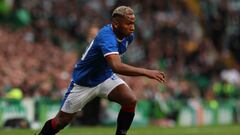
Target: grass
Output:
[(150, 130)]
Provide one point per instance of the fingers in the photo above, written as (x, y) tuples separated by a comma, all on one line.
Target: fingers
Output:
[(161, 77), (157, 75)]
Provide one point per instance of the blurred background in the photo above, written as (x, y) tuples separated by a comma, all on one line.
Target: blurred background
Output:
[(195, 42)]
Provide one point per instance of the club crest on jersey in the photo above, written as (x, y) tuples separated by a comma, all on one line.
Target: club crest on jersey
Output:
[(113, 77)]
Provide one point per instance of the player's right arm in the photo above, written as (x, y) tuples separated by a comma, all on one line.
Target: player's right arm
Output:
[(117, 66)]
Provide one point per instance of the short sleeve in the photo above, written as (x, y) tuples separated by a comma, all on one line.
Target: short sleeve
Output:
[(109, 46)]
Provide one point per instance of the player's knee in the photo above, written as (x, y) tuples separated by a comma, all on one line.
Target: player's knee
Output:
[(130, 107), (132, 100)]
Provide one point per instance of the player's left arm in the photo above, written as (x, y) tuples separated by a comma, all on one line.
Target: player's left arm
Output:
[(117, 66)]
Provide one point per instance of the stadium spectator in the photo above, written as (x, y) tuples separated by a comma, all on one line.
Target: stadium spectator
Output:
[(184, 38)]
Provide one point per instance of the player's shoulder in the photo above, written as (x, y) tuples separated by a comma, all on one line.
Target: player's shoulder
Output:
[(106, 34)]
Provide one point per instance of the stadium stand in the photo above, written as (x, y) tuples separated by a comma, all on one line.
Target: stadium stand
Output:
[(195, 42)]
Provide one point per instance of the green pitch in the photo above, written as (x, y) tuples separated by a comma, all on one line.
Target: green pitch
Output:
[(212, 130)]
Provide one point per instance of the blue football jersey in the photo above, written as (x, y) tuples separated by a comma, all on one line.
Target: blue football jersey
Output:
[(92, 69)]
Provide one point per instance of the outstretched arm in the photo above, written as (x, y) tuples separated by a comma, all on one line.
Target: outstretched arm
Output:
[(117, 66)]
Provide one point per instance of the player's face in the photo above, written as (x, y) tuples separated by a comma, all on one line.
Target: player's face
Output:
[(126, 26)]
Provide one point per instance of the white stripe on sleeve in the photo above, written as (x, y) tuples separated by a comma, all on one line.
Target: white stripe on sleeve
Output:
[(110, 53)]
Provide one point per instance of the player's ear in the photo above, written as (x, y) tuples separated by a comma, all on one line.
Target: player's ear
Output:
[(115, 24), (116, 21)]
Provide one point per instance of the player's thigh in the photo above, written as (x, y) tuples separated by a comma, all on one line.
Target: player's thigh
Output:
[(77, 97), (115, 89), (123, 95)]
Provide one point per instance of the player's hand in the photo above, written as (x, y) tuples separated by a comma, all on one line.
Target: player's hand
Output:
[(157, 75)]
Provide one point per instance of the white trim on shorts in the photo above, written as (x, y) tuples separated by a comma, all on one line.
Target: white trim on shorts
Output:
[(79, 96)]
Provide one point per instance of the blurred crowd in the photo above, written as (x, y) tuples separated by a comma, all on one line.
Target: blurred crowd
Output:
[(196, 42), (38, 69)]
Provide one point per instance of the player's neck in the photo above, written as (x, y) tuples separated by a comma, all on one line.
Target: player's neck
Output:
[(119, 35)]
